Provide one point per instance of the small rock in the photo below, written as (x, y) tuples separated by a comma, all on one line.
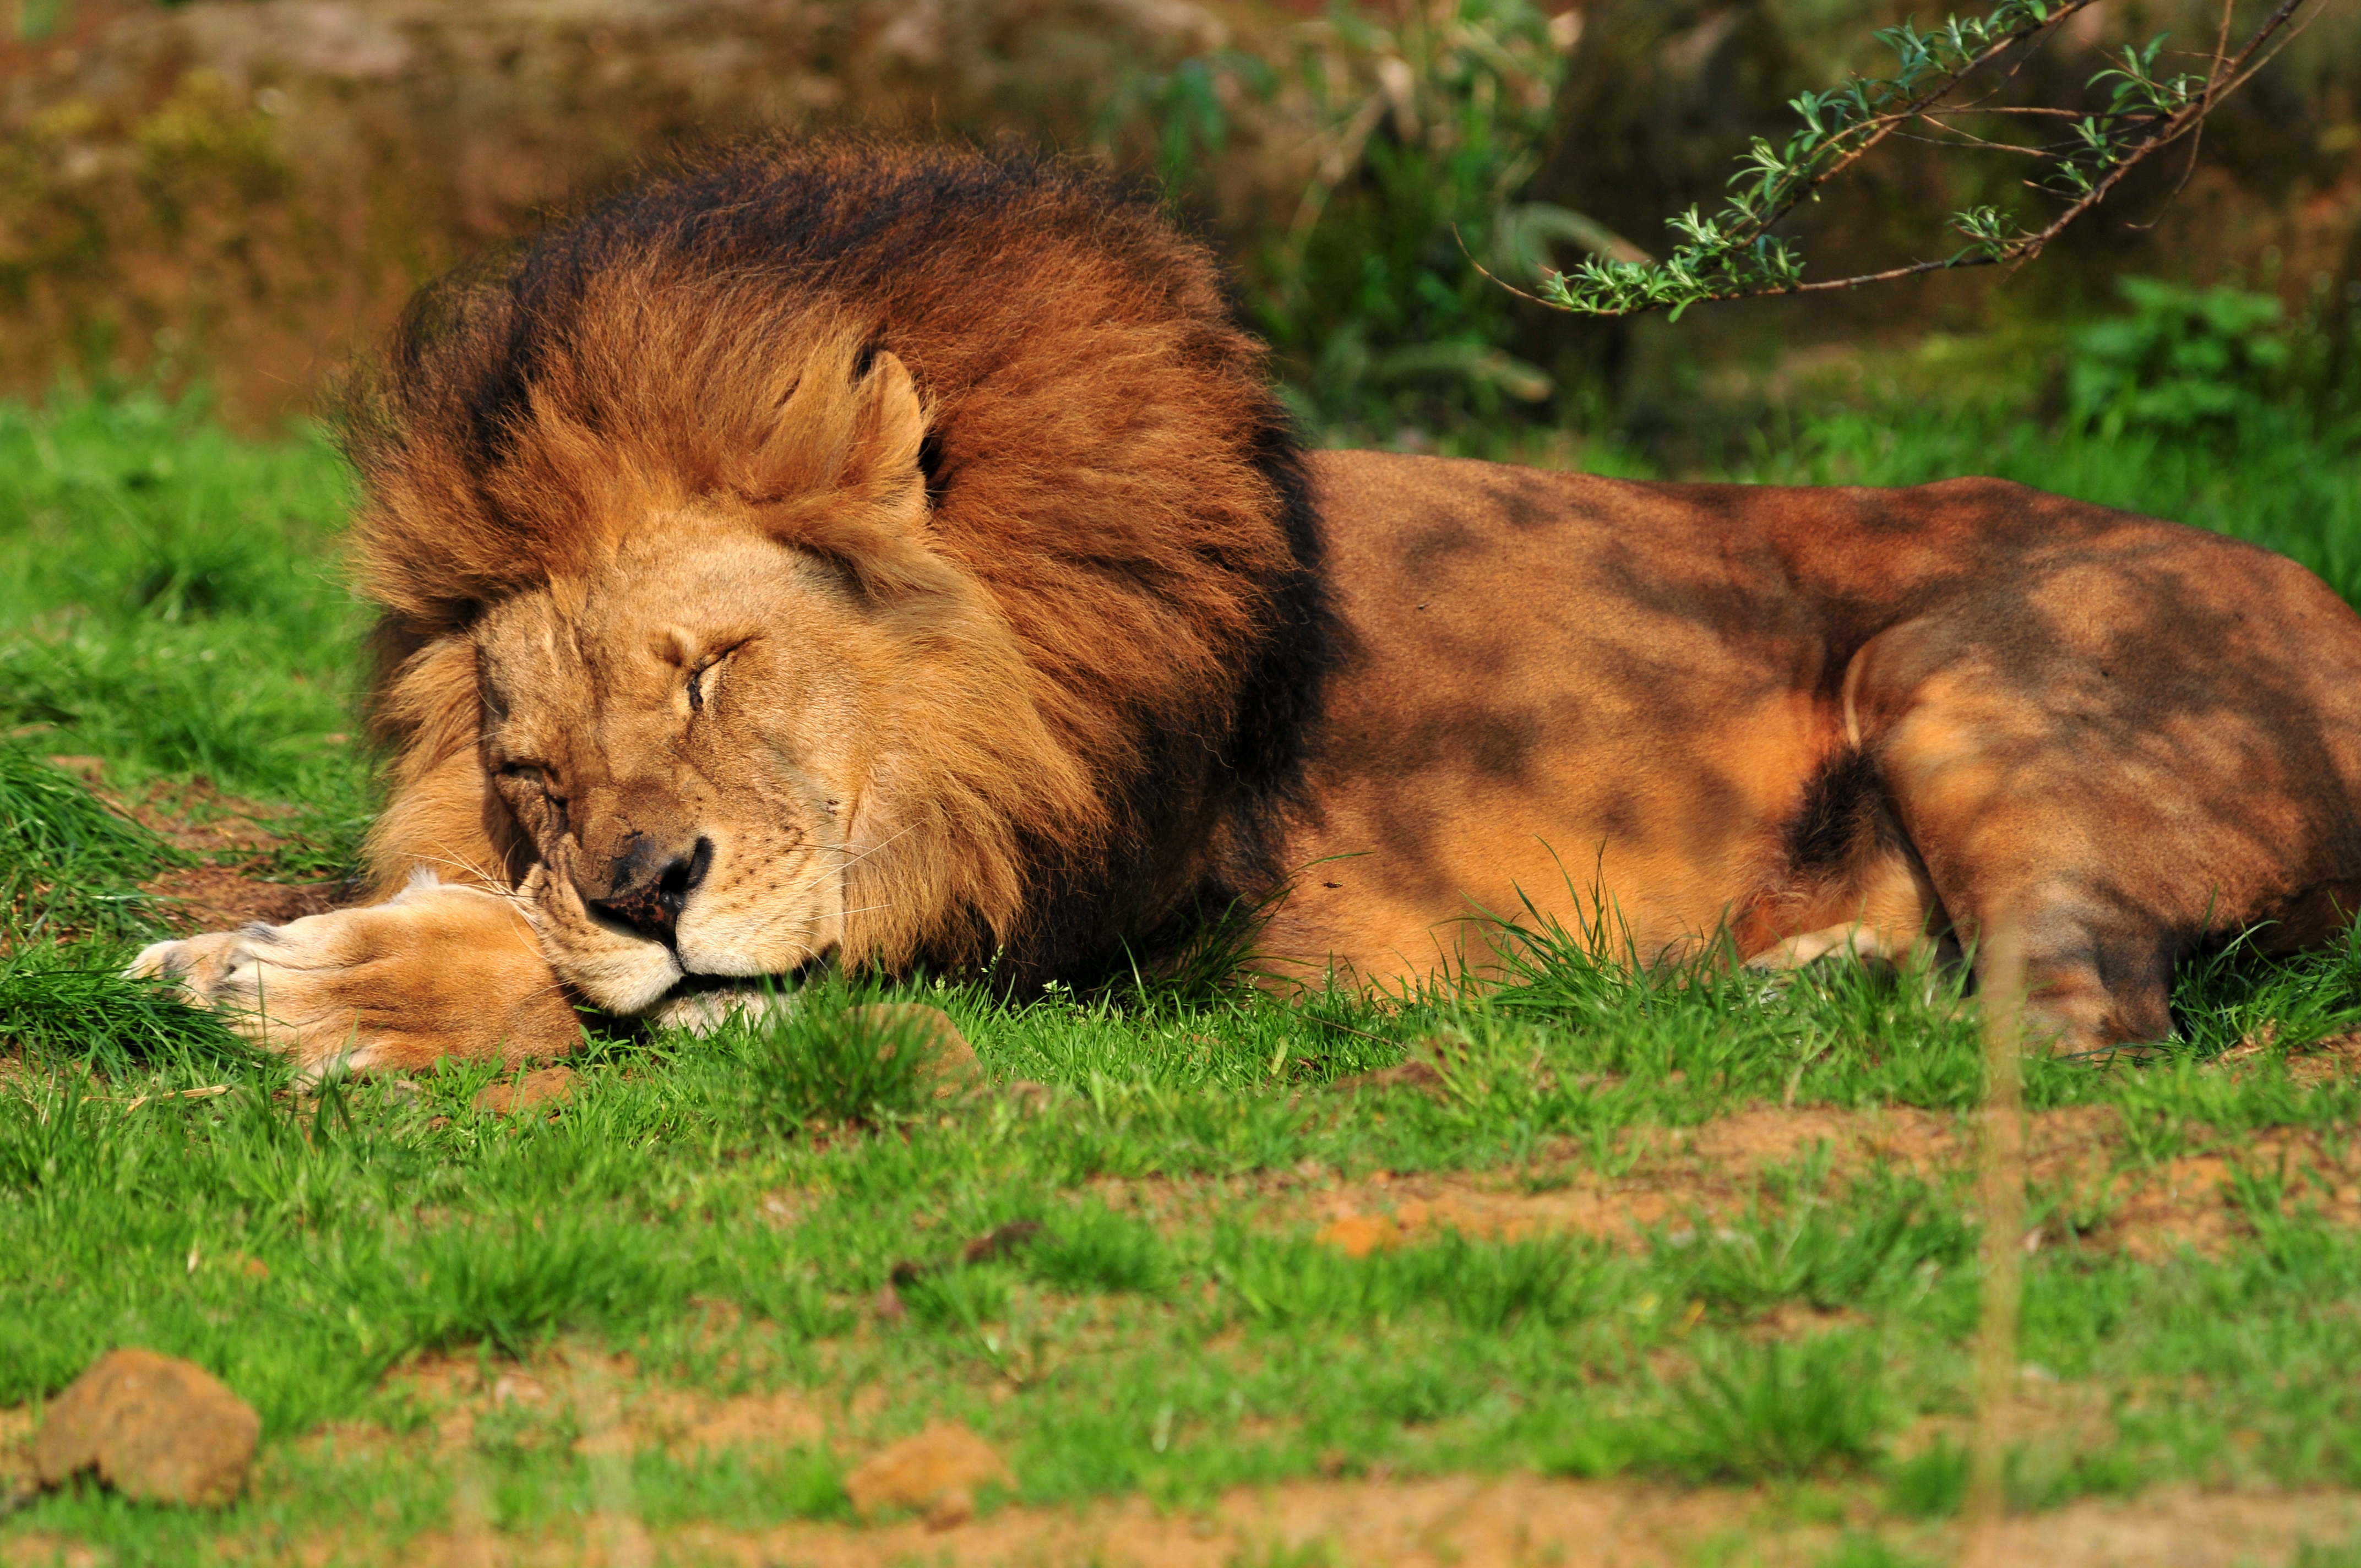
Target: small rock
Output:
[(937, 1471), (950, 1062), (157, 1428), (1356, 1236), (1029, 1098), (548, 1085)]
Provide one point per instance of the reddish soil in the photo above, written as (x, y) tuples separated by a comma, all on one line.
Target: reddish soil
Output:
[(2089, 1188), (616, 1412), (222, 898), (549, 1086), (218, 894), (1463, 1521)]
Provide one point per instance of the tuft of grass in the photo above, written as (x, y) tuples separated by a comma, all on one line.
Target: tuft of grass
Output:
[(509, 1284), (1092, 1250), (1930, 1483), (1856, 1550), (1888, 1234), (962, 1300), (1493, 1287), (818, 1059), (1485, 1287), (75, 1005), (2309, 1555), (1754, 1413), (70, 863)]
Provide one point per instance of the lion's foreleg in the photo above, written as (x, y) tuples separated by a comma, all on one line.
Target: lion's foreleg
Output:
[(436, 970), (447, 963)]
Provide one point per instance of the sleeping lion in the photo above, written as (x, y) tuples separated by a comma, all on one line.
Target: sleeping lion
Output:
[(897, 557)]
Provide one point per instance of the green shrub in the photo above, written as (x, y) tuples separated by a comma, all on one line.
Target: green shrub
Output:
[(1426, 124), (2183, 359)]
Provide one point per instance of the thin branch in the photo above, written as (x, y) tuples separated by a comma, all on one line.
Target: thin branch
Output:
[(2148, 112), (1488, 274), (1888, 123)]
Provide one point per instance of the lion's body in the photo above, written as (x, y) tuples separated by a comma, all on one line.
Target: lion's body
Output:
[(1781, 714), (896, 555)]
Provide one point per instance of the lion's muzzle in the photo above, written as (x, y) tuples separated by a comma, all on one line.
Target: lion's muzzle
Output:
[(648, 884)]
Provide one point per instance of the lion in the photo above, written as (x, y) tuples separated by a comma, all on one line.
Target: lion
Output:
[(896, 557)]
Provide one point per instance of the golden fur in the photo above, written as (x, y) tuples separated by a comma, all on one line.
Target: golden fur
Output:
[(896, 555), (1109, 516)]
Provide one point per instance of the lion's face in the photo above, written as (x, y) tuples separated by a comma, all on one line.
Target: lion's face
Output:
[(688, 737), (762, 729)]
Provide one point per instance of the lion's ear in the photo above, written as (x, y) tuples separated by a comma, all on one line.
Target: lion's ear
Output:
[(871, 514), (889, 427), (850, 430)]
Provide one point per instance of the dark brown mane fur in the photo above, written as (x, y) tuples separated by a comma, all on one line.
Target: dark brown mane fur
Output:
[(1105, 457)]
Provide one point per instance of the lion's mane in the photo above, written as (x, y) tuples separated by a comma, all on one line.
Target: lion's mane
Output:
[(1105, 457)]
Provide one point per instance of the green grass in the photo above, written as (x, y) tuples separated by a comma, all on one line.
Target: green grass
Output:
[(1158, 1313), (171, 601)]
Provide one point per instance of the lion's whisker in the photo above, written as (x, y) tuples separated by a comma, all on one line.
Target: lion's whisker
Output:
[(484, 882), (872, 849)]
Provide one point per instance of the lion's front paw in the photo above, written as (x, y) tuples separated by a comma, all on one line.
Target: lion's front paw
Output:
[(201, 964), (438, 971)]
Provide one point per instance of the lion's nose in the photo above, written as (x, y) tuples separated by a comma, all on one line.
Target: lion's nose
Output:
[(648, 888)]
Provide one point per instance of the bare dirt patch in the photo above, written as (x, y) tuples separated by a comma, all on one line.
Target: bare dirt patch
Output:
[(2322, 1061), (1471, 1522), (17, 1425), (222, 898), (40, 1549), (233, 888), (2090, 1188), (616, 1409), (548, 1086), (1479, 1522)]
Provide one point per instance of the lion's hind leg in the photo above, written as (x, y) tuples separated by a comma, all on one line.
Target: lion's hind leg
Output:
[(2084, 775)]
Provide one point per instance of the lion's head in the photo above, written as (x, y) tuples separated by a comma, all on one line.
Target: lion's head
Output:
[(879, 551)]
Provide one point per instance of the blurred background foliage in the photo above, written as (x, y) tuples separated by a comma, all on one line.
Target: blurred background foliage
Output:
[(239, 193)]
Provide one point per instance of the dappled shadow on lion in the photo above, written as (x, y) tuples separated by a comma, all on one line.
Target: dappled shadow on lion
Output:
[(896, 556)]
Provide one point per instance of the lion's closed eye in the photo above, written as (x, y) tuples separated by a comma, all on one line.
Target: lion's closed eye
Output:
[(705, 681), (536, 775)]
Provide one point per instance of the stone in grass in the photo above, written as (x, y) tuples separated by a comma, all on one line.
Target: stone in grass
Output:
[(546, 1086), (950, 1065), (157, 1428), (937, 1471)]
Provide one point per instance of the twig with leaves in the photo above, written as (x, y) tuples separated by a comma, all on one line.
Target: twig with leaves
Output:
[(1734, 254)]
